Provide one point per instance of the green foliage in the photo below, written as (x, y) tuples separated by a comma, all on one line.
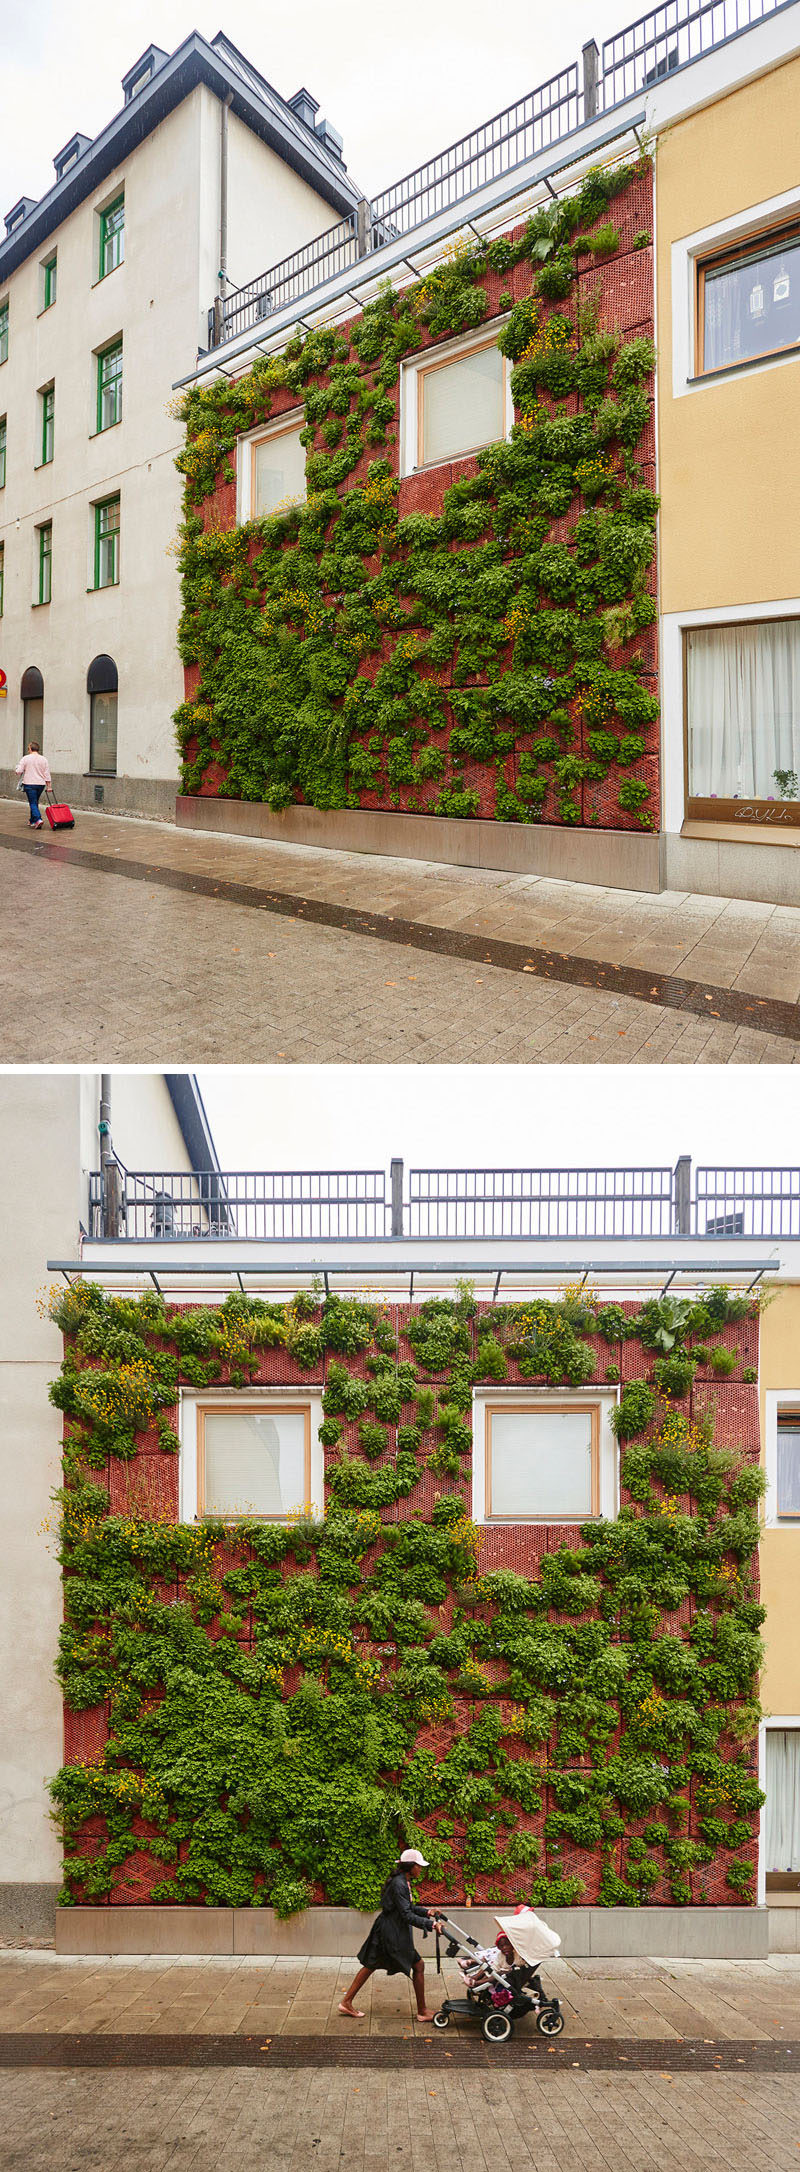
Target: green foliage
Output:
[(287, 1703), (344, 649)]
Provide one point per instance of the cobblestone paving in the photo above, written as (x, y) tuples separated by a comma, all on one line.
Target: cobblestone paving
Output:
[(509, 2122), (725, 2000), (96, 968)]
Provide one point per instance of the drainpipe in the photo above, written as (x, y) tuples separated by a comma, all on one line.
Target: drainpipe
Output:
[(109, 1172), (223, 216)]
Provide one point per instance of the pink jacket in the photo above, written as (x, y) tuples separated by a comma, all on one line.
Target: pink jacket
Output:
[(34, 769)]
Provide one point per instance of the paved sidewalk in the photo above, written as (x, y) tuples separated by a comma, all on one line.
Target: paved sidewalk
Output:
[(137, 937), (751, 948), (41, 1993)]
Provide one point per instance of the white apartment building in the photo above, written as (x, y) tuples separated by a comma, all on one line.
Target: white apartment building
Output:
[(105, 290), (51, 1126)]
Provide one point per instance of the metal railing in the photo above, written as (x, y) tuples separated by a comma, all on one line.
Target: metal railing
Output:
[(534, 1205), (275, 1207), (656, 45)]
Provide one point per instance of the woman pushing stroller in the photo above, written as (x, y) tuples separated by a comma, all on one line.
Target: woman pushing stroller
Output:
[(390, 1945)]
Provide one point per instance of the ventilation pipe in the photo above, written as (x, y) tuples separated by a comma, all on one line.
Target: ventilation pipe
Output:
[(111, 1205), (222, 275)]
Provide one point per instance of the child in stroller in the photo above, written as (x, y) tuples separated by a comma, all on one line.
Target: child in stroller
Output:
[(502, 1982)]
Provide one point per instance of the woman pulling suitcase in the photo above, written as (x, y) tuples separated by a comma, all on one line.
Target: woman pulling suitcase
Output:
[(34, 775)]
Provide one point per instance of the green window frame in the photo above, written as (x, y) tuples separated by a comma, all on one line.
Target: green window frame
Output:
[(45, 535), (106, 543), (3, 331), (112, 236), (48, 399), (50, 282), (3, 449), (109, 386), (2, 577)]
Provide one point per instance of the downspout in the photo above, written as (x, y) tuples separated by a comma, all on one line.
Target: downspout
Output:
[(109, 1172), (222, 276)]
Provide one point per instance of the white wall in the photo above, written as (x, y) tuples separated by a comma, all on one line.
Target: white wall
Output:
[(38, 1219)]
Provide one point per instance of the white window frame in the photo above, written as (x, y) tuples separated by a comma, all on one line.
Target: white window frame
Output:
[(776, 1719), (191, 1400), (450, 350), (292, 419), (674, 779), (776, 1401), (745, 227), (603, 1400)]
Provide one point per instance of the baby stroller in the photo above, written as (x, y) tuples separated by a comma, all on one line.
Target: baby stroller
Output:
[(502, 1986)]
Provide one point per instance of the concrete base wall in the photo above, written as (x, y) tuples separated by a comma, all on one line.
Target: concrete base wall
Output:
[(739, 1934), (725, 866), (153, 797), (27, 1912), (613, 859)]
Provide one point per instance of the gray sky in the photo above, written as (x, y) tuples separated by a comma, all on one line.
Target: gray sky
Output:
[(346, 1116), (399, 83)]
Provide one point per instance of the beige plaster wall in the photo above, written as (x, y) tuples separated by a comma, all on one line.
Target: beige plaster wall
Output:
[(780, 1546), (729, 453)]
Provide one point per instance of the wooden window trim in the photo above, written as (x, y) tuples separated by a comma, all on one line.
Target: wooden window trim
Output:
[(447, 361), (285, 428), (259, 1409), (792, 1418), (737, 253), (539, 1409), (766, 814)]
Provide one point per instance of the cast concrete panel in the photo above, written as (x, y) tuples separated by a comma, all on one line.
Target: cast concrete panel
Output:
[(27, 1912), (769, 874), (738, 1934), (613, 859), (784, 1930)]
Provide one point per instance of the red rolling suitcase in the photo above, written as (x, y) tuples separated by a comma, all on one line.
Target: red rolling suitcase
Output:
[(59, 818)]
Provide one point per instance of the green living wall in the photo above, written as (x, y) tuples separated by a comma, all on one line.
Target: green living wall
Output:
[(263, 1713), (475, 640)]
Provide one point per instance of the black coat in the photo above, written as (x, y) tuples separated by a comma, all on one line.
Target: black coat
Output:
[(389, 1944)]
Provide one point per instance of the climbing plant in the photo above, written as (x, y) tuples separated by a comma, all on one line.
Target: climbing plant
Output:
[(262, 1713), (485, 658)]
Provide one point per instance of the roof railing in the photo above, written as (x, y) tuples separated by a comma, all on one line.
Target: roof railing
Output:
[(668, 38), (338, 1207)]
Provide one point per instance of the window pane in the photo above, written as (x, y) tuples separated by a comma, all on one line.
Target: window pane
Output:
[(783, 1798), (753, 306), (112, 237), (789, 1468), (541, 1463), (743, 687), (254, 1462), (3, 443), (48, 424), (462, 404), (107, 544), (50, 283), (4, 333), (279, 478), (45, 564), (109, 388), (103, 732), (2, 576)]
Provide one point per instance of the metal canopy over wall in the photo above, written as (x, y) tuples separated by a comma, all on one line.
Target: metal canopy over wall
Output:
[(372, 1278)]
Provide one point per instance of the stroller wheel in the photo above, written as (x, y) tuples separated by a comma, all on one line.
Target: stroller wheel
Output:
[(550, 2021), (442, 2019), (497, 2028)]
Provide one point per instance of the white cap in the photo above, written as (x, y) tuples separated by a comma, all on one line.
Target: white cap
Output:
[(412, 1855)]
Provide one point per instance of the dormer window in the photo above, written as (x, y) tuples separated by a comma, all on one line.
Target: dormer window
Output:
[(142, 72), (18, 212), (70, 155)]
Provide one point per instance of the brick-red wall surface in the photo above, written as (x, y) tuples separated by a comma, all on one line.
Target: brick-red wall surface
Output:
[(621, 289), (147, 1486)]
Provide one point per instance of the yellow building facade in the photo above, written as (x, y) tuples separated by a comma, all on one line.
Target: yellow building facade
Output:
[(779, 1382), (728, 335)]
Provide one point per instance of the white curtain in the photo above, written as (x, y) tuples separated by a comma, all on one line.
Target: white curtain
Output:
[(744, 709), (783, 1798)]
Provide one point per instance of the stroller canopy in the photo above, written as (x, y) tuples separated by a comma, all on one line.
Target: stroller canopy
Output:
[(532, 1939)]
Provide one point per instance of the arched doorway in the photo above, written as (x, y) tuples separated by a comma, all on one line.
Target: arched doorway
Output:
[(101, 685), (32, 697)]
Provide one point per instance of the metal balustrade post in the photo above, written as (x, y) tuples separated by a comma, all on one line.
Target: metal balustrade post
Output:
[(363, 226), (683, 1196), (397, 1199), (591, 77)]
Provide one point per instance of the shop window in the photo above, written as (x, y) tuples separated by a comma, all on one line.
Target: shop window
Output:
[(748, 301), (253, 1459), (542, 1462), (32, 697), (102, 689), (782, 1788), (743, 721)]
